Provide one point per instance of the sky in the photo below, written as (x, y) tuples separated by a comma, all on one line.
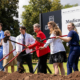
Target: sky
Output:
[(26, 2)]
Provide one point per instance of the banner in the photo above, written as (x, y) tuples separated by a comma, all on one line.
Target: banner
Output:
[(70, 15)]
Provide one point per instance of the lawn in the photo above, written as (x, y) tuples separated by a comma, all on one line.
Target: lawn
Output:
[(49, 65)]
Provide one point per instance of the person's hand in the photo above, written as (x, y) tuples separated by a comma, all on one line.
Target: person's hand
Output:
[(57, 37), (26, 46), (3, 55), (41, 48), (18, 53), (6, 38)]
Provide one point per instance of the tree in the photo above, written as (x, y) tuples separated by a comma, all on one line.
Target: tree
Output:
[(56, 5), (69, 6), (27, 17), (8, 10), (41, 6), (32, 11)]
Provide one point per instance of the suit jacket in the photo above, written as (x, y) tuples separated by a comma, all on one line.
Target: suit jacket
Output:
[(28, 40), (38, 44)]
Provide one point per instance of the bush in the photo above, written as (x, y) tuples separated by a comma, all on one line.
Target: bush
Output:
[(66, 47)]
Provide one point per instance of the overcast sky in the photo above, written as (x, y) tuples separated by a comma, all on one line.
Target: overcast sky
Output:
[(26, 2)]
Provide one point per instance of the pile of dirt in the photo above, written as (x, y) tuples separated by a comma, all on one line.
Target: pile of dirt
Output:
[(15, 76), (3, 74), (39, 76)]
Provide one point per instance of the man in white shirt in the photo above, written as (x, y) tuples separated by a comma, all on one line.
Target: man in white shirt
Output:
[(26, 39)]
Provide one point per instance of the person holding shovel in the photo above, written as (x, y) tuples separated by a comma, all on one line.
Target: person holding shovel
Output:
[(73, 40), (8, 46), (25, 39), (58, 53), (41, 54)]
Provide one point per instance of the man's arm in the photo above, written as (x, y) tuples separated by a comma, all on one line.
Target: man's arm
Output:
[(35, 44), (18, 47), (32, 40)]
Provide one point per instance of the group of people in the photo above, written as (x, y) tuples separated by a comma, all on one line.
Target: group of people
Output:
[(57, 50)]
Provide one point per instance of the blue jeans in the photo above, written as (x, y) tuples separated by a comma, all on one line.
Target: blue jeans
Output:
[(73, 60)]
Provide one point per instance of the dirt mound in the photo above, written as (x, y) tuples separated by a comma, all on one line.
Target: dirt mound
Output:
[(39, 76), (16, 76), (3, 74), (73, 76)]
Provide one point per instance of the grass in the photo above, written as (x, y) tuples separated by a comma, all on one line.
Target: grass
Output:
[(49, 65)]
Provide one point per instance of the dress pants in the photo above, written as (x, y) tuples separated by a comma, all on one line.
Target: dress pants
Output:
[(25, 58), (42, 66)]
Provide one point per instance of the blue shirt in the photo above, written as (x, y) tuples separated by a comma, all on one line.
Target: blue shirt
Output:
[(75, 38), (1, 35)]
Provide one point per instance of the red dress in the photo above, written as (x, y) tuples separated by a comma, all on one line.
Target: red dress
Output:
[(38, 44)]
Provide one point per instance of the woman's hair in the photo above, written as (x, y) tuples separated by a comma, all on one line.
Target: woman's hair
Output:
[(7, 31), (74, 27), (55, 29)]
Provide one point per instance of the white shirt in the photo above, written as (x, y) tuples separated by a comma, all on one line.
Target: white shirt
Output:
[(56, 45), (28, 40), (6, 47)]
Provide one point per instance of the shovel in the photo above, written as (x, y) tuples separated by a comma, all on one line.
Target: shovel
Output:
[(39, 39)]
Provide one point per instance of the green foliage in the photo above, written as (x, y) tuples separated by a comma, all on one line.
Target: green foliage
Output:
[(32, 11), (8, 10), (56, 5), (66, 47), (41, 6), (79, 42), (34, 56), (68, 6), (28, 17)]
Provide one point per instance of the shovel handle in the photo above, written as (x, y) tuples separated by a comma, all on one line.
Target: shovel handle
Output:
[(52, 37)]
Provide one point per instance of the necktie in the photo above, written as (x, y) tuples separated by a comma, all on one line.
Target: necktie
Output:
[(23, 40)]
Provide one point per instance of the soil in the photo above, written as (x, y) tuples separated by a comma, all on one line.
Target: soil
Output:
[(39, 76)]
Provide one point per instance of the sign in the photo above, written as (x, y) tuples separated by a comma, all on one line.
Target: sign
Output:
[(50, 16), (70, 15)]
